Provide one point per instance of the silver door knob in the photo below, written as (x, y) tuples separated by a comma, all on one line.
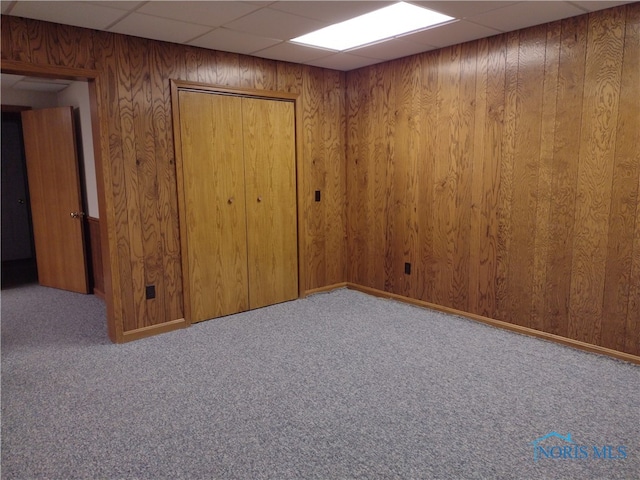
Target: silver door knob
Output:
[(77, 214)]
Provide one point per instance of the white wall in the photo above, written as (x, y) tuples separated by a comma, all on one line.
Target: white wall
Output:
[(77, 96)]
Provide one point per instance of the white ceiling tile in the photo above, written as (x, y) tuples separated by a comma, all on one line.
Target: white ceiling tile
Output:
[(119, 4), (328, 11), (213, 14), (148, 26), (525, 14), (6, 5), (232, 41), (451, 34), (290, 52), (271, 23), (461, 9), (69, 13), (594, 6), (391, 49), (343, 61)]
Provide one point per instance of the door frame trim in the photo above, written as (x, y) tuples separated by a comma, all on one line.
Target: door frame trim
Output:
[(182, 85), (92, 77)]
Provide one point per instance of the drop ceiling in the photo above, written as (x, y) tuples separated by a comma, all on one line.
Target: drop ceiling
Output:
[(263, 29)]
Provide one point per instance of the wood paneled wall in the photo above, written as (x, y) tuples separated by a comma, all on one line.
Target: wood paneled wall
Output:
[(507, 172), (138, 167)]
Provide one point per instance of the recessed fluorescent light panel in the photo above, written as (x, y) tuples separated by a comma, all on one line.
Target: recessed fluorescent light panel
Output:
[(384, 24)]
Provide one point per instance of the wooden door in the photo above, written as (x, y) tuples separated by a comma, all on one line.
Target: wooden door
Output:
[(214, 201), (56, 201), (270, 169)]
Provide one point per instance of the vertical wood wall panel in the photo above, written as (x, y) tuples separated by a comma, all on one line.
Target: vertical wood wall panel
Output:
[(335, 185), (130, 235), (567, 134), (603, 66), (506, 186), (167, 63), (624, 201), (314, 217), (528, 174), (424, 269), (138, 152), (477, 222), (544, 192), (357, 89), (631, 72)]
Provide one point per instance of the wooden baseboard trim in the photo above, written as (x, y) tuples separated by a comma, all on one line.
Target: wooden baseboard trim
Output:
[(99, 294), (153, 330), (327, 288), (588, 347)]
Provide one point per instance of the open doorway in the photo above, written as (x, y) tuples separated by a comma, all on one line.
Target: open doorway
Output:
[(18, 252)]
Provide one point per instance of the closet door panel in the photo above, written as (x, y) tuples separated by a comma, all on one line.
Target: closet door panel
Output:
[(270, 175), (214, 191)]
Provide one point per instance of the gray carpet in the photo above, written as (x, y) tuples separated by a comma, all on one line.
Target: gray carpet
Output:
[(335, 386)]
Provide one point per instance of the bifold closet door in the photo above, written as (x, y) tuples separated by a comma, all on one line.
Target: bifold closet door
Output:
[(214, 200), (270, 169)]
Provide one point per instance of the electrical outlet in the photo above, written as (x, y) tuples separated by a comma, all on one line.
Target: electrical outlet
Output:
[(150, 292)]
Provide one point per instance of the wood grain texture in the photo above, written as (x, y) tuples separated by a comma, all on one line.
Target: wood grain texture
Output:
[(567, 135), (270, 186), (429, 102), (165, 65), (54, 192), (625, 197), (5, 32), (527, 196), (544, 192), (313, 151), (130, 238), (146, 178), (75, 47), (214, 200), (357, 180), (506, 187), (407, 145), (19, 47), (141, 213), (631, 72), (603, 66), (323, 94), (111, 155), (526, 169), (335, 182), (482, 289)]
